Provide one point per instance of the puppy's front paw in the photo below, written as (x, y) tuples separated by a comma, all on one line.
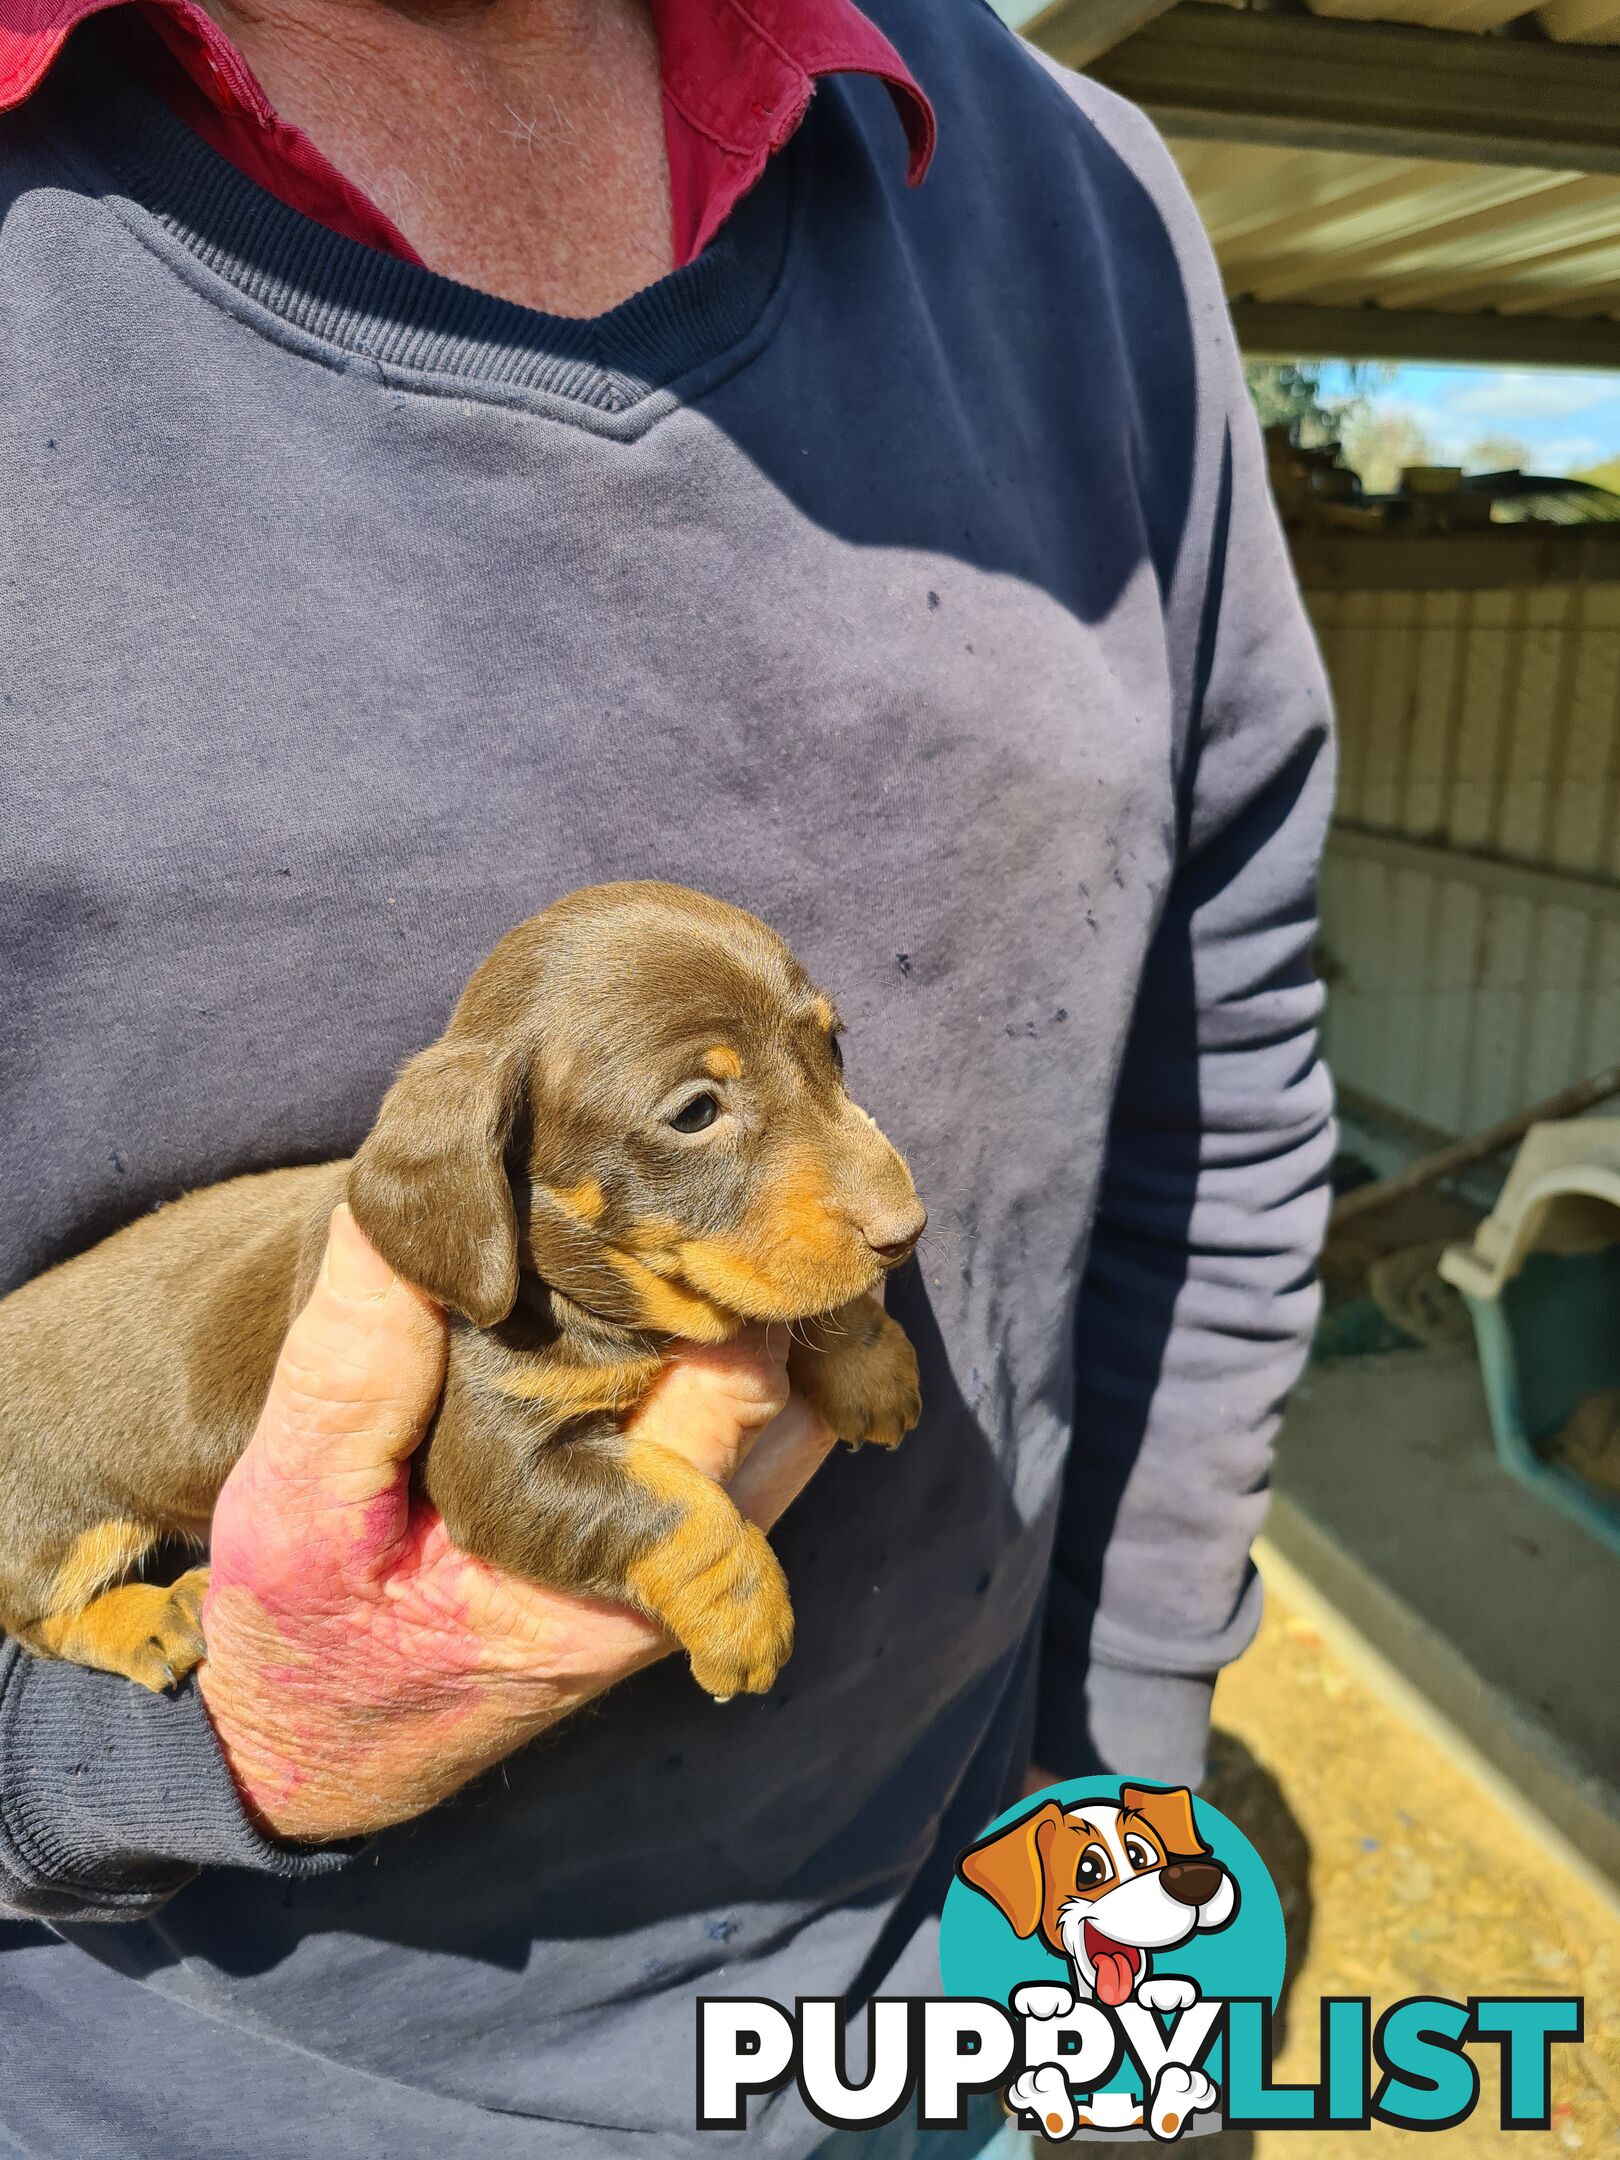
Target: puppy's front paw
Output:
[(1044, 2093), (1179, 2095), (1168, 1994), (736, 1619), (860, 1371)]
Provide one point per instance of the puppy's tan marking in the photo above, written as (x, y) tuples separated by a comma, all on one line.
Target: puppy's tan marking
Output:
[(800, 1209), (148, 1632), (722, 1062), (584, 1199), (712, 1580), (824, 1012), (572, 1391), (667, 1307), (791, 1254), (95, 1559), (729, 1275)]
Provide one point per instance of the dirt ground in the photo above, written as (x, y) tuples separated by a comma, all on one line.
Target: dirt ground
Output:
[(1400, 1876)]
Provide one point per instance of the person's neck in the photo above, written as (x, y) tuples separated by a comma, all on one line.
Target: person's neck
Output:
[(517, 144)]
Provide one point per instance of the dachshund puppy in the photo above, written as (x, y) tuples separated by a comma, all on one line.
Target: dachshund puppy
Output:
[(633, 1129)]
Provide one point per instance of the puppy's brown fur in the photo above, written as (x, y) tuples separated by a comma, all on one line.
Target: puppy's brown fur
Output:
[(525, 1171)]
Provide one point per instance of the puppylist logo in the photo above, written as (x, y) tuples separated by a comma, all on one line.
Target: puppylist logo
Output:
[(1113, 1956), (1107, 1891)]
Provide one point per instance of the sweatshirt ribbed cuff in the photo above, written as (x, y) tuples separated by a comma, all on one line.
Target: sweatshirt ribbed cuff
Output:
[(112, 1798), (1092, 1717)]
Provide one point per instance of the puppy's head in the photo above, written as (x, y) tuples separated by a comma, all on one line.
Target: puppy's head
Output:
[(640, 1100), (1104, 1884)]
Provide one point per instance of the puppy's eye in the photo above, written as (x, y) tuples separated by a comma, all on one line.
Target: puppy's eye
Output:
[(1140, 1854), (697, 1115), (1094, 1867)]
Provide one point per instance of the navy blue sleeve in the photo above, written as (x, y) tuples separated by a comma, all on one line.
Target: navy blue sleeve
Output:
[(112, 1798), (1199, 1299)]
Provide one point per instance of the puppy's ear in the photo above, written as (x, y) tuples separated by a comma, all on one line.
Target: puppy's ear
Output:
[(1170, 1814), (429, 1185), (1010, 1868)]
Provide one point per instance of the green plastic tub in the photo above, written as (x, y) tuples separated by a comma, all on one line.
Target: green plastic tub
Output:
[(1542, 1284), (1547, 1340)]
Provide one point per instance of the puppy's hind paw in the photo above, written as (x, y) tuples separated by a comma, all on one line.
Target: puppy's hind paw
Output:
[(1044, 2093), (151, 1633), (1179, 2095)]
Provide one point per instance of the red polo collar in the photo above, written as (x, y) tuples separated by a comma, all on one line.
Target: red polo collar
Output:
[(737, 81)]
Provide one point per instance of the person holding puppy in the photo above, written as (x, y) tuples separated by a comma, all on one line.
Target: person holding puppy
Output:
[(458, 456)]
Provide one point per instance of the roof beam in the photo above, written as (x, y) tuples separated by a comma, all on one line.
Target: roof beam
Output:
[(1077, 31), (1283, 330), (1305, 82)]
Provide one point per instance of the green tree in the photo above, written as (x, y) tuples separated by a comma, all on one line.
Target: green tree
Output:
[(1288, 393)]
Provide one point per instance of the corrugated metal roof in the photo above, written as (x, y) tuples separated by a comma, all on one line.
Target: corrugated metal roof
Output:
[(1332, 228), (1584, 22), (1418, 179)]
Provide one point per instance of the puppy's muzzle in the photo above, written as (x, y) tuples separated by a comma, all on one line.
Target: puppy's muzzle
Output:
[(893, 1237)]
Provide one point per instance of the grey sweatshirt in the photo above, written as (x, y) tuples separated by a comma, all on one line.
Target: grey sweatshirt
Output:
[(903, 569)]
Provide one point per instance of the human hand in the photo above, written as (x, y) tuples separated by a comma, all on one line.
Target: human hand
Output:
[(360, 1668)]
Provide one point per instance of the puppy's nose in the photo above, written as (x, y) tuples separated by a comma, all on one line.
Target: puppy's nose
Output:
[(1191, 1882), (892, 1236)]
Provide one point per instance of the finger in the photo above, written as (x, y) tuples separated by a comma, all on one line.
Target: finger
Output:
[(713, 1401), (790, 1452), (557, 1638), (359, 1373)]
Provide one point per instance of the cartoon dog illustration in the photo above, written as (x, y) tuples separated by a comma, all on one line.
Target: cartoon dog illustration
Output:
[(1106, 1885)]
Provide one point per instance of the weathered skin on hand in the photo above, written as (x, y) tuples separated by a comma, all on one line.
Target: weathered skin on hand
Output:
[(360, 1667)]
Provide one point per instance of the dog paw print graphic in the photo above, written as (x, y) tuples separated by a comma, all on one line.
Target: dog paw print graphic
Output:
[(1114, 1919)]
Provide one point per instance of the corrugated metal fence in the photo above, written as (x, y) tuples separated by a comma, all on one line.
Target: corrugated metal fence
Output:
[(1471, 894)]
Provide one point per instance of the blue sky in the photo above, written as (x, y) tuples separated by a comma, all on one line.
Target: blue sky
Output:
[(1569, 421)]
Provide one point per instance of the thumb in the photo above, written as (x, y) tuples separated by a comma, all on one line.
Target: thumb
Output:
[(359, 1374)]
